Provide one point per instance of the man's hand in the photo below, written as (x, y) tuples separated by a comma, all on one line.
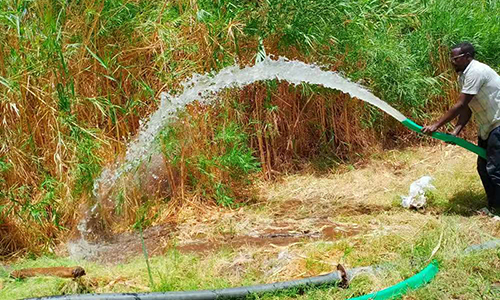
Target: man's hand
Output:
[(430, 129), (460, 108)]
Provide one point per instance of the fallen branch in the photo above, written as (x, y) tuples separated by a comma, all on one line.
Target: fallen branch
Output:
[(64, 272)]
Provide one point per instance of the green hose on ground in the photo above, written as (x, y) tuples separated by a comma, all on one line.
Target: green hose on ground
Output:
[(447, 138), (414, 282)]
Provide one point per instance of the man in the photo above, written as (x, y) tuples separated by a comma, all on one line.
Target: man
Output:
[(480, 94)]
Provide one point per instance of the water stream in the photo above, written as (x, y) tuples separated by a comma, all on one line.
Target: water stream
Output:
[(203, 88)]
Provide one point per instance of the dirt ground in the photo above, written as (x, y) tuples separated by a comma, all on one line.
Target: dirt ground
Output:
[(296, 209), (206, 236)]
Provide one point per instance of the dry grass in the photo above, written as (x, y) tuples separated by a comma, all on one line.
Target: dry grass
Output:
[(360, 207), (71, 101), (366, 198)]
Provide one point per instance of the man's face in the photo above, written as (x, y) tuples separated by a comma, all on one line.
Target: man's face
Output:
[(459, 60)]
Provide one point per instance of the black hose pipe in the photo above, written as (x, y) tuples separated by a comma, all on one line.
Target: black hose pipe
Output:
[(229, 293)]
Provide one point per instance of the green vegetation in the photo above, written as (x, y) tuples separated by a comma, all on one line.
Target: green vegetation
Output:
[(77, 76), (216, 162), (401, 241)]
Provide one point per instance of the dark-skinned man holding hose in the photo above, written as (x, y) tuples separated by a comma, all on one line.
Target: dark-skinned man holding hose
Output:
[(480, 95)]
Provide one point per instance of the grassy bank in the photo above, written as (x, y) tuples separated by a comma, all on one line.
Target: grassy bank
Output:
[(372, 230), (76, 78)]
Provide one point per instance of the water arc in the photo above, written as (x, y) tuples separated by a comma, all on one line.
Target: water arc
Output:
[(201, 87)]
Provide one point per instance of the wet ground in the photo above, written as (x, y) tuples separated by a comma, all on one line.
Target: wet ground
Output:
[(299, 209), (290, 222), (283, 236)]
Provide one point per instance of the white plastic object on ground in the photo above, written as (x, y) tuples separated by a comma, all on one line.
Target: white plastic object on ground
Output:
[(416, 198)]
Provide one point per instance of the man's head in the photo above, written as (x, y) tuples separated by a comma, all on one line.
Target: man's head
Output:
[(461, 55)]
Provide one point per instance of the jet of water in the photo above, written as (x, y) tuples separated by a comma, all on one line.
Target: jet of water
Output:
[(202, 87)]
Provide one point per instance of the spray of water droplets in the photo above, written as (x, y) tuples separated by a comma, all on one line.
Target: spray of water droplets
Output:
[(203, 87)]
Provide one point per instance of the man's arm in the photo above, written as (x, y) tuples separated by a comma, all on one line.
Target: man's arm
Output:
[(463, 119), (459, 108)]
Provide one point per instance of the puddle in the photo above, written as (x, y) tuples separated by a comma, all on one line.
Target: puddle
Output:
[(158, 239), (269, 237)]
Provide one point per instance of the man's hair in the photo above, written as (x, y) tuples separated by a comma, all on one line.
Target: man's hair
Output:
[(467, 48)]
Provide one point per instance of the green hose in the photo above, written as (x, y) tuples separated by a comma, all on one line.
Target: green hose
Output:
[(447, 138), (401, 288)]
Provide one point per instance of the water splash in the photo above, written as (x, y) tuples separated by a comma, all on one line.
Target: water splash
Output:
[(203, 87), (83, 250)]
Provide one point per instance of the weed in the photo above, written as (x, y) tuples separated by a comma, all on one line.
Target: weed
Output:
[(76, 79), (398, 242)]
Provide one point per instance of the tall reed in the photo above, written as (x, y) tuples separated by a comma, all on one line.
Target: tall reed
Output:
[(77, 76)]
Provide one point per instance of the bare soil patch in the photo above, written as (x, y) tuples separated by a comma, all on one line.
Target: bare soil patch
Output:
[(158, 239), (269, 237), (297, 209)]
